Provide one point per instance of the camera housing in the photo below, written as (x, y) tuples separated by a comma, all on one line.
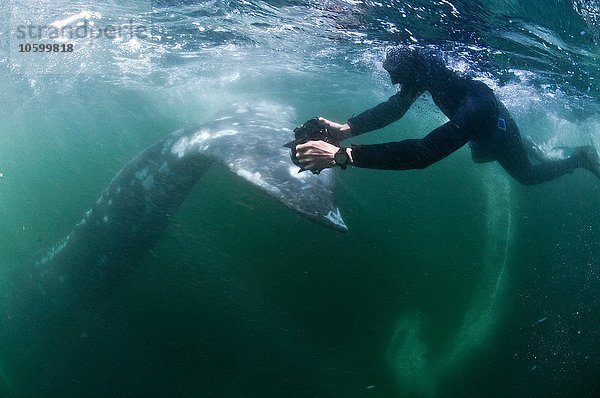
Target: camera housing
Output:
[(311, 130)]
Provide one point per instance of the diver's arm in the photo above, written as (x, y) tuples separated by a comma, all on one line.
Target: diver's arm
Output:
[(401, 155), (413, 153), (385, 113)]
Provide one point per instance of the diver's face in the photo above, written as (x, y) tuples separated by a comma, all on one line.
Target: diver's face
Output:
[(401, 73), (401, 77)]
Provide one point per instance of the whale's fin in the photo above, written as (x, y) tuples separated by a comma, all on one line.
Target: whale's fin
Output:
[(248, 141)]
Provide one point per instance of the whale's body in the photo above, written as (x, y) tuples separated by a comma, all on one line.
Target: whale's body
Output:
[(112, 238)]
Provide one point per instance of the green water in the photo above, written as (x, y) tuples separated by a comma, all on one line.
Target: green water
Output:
[(452, 281)]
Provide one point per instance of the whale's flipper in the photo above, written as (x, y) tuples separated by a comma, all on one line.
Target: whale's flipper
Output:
[(248, 141)]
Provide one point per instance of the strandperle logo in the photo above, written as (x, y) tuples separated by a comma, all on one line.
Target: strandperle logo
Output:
[(79, 27), (81, 42)]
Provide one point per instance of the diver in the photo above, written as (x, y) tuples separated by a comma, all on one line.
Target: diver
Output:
[(475, 116)]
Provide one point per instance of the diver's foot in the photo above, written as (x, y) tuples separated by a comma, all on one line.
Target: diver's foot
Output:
[(590, 160)]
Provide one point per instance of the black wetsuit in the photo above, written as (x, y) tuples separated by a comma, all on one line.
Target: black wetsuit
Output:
[(476, 116)]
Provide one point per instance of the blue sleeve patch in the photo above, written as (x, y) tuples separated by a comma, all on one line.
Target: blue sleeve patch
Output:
[(501, 124)]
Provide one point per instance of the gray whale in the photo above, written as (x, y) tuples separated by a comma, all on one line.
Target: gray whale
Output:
[(40, 301)]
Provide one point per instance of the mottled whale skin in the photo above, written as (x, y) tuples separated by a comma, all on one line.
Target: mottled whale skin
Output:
[(130, 215)]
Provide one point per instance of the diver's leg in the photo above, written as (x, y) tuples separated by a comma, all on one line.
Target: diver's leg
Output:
[(590, 160), (533, 150), (514, 159), (513, 153)]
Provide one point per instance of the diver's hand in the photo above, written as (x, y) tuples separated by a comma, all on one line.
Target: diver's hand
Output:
[(318, 155), (340, 131)]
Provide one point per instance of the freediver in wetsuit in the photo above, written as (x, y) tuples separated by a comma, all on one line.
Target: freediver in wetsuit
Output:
[(476, 117)]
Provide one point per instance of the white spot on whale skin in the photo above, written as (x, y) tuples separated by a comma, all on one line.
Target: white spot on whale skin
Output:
[(225, 133), (205, 135), (140, 175), (186, 144), (110, 202), (85, 218), (54, 251), (164, 168), (148, 182), (294, 172), (105, 218), (180, 147), (166, 146), (257, 179)]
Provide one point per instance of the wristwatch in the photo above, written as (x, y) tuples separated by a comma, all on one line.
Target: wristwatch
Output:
[(341, 158)]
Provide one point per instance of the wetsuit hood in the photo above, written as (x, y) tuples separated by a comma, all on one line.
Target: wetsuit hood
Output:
[(404, 64)]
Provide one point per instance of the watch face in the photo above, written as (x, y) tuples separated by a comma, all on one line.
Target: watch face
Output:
[(341, 157)]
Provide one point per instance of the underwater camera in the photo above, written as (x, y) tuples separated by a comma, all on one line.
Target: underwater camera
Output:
[(312, 130)]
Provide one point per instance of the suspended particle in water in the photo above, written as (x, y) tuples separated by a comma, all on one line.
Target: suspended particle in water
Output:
[(1, 174)]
